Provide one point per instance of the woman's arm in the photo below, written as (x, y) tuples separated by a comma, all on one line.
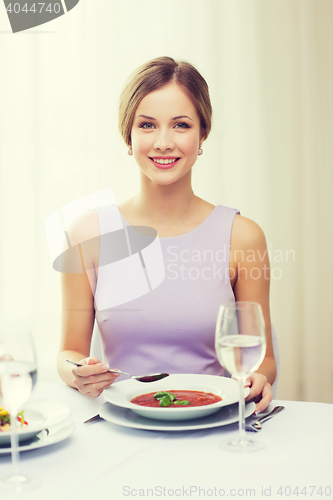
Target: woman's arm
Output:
[(250, 277), (78, 316)]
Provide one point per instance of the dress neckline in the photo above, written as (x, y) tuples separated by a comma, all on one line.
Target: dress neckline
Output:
[(179, 235)]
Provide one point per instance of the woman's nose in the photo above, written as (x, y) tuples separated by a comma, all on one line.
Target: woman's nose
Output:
[(163, 141)]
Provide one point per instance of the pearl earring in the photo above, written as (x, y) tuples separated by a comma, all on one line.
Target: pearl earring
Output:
[(200, 150), (130, 152)]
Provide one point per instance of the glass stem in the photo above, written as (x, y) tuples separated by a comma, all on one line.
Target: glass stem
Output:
[(14, 444), (241, 406)]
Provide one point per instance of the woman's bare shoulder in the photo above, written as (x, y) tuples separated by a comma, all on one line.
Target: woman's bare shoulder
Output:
[(246, 234), (84, 228)]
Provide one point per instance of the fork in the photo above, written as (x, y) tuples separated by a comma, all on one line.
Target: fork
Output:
[(256, 426)]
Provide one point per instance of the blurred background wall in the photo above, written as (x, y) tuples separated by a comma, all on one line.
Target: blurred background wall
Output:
[(269, 66)]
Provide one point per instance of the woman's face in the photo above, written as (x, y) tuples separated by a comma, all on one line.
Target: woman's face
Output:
[(166, 135)]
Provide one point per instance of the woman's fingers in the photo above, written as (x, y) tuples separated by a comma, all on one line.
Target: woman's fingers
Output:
[(93, 377), (257, 383), (6, 357), (260, 391), (266, 398), (93, 389), (97, 378), (88, 370)]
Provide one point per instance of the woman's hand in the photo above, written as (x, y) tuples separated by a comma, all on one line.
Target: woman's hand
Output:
[(260, 391), (92, 378), (6, 357)]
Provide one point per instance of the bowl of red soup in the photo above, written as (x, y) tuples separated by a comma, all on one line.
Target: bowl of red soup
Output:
[(177, 397)]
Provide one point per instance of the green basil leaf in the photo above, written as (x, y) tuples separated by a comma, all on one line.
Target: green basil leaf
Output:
[(181, 402), (159, 395), (165, 401), (171, 396)]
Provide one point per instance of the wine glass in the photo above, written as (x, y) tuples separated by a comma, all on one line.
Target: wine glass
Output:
[(240, 344), (18, 373)]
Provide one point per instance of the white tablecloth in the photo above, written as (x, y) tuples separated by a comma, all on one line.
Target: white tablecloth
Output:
[(103, 460)]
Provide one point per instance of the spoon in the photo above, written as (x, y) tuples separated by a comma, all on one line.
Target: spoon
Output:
[(140, 378), (256, 426)]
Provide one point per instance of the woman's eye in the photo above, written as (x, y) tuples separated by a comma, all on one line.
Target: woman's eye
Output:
[(146, 125), (182, 125)]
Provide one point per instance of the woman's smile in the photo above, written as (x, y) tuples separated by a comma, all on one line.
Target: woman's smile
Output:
[(164, 161)]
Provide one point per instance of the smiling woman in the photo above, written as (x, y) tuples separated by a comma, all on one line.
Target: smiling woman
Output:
[(165, 115)]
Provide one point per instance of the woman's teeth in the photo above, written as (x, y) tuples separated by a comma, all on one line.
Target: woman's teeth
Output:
[(164, 162)]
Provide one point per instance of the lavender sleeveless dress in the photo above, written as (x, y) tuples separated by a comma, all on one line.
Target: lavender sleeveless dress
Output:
[(172, 327)]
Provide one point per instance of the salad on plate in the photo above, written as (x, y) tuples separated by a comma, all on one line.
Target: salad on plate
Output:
[(5, 420)]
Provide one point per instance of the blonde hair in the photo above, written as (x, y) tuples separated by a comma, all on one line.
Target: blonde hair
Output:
[(155, 74)]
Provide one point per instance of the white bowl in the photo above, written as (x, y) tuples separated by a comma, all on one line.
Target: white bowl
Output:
[(121, 393)]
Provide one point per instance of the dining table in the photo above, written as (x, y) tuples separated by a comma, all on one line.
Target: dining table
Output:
[(107, 460)]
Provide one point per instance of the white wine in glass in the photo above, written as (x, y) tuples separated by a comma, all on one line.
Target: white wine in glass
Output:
[(18, 373), (240, 344)]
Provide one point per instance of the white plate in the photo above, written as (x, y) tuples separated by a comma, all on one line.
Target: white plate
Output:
[(121, 393), (126, 418), (40, 415), (45, 437)]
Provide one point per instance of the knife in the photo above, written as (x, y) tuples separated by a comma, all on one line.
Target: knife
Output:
[(94, 419)]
